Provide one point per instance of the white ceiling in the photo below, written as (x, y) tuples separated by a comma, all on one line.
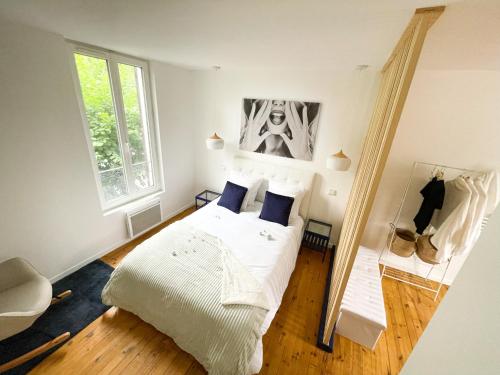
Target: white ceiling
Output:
[(278, 34), (466, 37)]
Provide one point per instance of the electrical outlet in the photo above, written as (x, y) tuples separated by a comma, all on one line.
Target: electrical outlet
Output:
[(332, 192)]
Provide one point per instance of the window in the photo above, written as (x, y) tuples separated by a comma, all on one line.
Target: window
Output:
[(118, 121)]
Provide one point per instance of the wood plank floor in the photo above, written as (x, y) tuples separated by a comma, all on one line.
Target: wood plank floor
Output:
[(120, 343)]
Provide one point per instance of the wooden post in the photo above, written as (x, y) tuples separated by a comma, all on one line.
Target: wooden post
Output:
[(397, 75)]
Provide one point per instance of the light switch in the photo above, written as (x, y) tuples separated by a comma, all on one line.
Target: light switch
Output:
[(332, 192)]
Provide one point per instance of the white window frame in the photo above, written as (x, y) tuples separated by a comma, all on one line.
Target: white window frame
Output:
[(113, 59)]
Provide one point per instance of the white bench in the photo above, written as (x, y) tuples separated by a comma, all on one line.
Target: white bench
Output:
[(362, 313)]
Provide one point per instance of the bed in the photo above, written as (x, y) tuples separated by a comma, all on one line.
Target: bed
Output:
[(214, 281)]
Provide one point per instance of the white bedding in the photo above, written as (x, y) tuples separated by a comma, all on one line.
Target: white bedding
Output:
[(271, 262), (174, 281), (218, 312)]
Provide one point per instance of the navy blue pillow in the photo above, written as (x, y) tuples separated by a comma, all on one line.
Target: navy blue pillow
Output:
[(232, 197), (276, 208)]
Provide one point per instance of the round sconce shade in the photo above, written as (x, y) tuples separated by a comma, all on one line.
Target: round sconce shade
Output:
[(338, 162), (214, 142)]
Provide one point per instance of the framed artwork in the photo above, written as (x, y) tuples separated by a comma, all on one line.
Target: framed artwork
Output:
[(279, 127)]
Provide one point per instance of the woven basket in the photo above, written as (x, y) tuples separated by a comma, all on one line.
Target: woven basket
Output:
[(426, 250), (403, 243)]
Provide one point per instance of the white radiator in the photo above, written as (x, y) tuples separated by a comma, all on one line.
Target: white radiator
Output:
[(144, 218)]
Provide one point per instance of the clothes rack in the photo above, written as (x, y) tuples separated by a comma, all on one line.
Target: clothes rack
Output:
[(386, 251)]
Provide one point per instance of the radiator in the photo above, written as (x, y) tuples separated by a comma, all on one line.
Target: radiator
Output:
[(144, 218)]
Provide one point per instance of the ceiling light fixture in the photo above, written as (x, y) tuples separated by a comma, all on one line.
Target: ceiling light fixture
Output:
[(340, 161)]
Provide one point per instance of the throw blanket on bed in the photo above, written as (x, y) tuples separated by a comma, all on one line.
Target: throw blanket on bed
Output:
[(177, 281), (239, 286)]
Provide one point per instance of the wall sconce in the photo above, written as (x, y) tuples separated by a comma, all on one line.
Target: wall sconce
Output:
[(338, 162)]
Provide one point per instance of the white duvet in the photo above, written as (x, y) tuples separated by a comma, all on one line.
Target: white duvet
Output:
[(270, 261), (267, 250), (216, 311)]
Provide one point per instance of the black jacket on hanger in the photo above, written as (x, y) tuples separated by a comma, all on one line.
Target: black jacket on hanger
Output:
[(433, 194)]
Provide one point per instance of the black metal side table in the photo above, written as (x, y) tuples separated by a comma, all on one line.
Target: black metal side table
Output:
[(205, 197), (317, 236)]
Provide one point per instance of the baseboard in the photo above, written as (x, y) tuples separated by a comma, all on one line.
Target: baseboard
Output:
[(90, 259), (176, 212), (109, 249)]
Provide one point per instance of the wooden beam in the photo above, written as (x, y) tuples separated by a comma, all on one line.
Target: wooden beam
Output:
[(431, 14), (438, 10), (397, 76)]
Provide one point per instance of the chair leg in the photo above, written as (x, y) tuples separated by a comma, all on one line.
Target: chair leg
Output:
[(60, 297), (35, 352)]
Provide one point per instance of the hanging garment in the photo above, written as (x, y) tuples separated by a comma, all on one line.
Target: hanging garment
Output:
[(433, 194), (472, 225), (492, 187), (468, 226), (451, 219), (479, 214), (491, 182)]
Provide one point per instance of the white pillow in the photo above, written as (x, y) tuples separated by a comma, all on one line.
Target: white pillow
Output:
[(294, 191), (251, 183)]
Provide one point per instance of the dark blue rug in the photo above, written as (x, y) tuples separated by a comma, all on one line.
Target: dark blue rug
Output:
[(72, 314)]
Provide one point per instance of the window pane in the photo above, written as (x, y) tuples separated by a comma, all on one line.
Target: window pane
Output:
[(142, 175), (101, 117), (113, 183), (137, 128)]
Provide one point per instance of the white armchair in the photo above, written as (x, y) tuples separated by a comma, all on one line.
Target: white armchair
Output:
[(24, 295)]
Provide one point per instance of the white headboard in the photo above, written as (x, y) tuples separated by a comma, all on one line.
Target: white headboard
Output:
[(269, 171)]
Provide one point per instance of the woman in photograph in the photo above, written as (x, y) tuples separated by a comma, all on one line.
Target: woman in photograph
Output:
[(275, 127)]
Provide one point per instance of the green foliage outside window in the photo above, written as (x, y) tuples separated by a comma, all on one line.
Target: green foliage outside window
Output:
[(99, 108), (128, 81)]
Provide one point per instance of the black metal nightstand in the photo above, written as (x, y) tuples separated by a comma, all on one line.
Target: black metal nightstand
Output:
[(205, 197), (317, 236)]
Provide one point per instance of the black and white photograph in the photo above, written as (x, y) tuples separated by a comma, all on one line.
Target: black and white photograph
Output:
[(279, 127)]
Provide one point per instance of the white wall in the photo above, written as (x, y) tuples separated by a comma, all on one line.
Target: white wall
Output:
[(346, 98), (462, 337), (50, 208), (451, 116), (174, 89)]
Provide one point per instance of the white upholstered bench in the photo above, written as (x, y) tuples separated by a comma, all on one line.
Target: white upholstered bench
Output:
[(362, 313)]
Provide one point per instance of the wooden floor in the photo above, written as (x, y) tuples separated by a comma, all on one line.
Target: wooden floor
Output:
[(120, 343)]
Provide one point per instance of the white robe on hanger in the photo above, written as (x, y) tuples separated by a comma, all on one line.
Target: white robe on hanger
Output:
[(492, 186), (477, 212), (480, 213), (452, 218), (469, 224)]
